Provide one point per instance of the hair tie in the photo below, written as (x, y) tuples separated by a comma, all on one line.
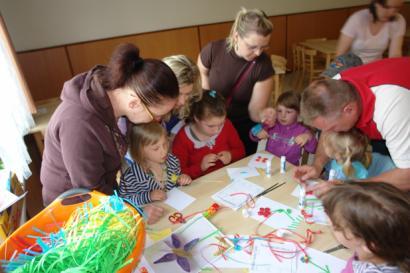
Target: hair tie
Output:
[(212, 93), (138, 63)]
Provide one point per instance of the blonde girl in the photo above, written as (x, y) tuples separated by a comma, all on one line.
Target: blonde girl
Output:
[(351, 156), (373, 220), (154, 170), (190, 90)]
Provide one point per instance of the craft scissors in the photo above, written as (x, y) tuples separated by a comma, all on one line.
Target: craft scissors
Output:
[(176, 218)]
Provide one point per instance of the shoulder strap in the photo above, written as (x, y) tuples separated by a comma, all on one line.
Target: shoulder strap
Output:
[(238, 83)]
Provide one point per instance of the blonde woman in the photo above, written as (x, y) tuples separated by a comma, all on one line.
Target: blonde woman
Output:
[(351, 158), (239, 69), (187, 75)]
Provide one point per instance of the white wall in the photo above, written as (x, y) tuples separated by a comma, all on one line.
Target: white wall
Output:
[(36, 24)]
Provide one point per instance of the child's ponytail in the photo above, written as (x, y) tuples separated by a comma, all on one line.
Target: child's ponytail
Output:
[(367, 158), (212, 104), (347, 164)]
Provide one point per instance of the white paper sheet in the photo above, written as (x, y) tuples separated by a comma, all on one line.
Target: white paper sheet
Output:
[(263, 260), (202, 254), (258, 160), (320, 262), (237, 193), (282, 217), (178, 199), (244, 172), (313, 207), (7, 199), (143, 264)]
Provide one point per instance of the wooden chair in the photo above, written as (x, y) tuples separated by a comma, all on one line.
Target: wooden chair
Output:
[(315, 39), (297, 57), (312, 67), (279, 65), (297, 73)]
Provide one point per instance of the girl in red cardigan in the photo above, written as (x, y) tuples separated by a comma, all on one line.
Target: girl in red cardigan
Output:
[(208, 141)]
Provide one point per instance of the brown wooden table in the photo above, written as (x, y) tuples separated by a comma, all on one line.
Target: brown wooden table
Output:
[(325, 47)]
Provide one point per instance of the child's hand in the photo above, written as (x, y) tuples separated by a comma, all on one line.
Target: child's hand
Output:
[(153, 213), (184, 180), (302, 139), (262, 134), (208, 161), (158, 195), (268, 116), (225, 157)]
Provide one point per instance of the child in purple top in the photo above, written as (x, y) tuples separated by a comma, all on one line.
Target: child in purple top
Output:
[(286, 136)]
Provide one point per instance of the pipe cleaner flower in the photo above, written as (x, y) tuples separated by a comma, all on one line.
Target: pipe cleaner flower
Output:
[(179, 253), (265, 212), (174, 178)]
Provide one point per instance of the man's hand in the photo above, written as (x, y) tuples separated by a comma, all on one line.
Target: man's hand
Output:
[(305, 172), (321, 188)]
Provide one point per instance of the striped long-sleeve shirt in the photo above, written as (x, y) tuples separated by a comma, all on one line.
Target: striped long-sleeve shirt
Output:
[(136, 185)]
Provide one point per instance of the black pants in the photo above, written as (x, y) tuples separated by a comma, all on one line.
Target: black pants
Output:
[(243, 126)]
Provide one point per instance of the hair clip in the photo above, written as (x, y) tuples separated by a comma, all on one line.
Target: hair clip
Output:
[(212, 93)]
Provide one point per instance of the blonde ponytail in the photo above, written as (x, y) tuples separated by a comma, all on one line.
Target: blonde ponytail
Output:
[(347, 147), (347, 164)]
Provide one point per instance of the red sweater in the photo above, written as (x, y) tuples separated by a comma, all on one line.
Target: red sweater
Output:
[(394, 71), (191, 157)]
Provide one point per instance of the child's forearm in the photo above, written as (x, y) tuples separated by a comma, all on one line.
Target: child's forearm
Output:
[(139, 199)]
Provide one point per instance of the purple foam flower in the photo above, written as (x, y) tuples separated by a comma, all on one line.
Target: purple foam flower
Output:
[(180, 254)]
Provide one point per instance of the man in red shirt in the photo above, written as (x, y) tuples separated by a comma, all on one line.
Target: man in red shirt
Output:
[(374, 98)]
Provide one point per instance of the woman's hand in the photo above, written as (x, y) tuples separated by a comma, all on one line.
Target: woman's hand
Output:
[(158, 195), (225, 157), (208, 161), (184, 180)]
